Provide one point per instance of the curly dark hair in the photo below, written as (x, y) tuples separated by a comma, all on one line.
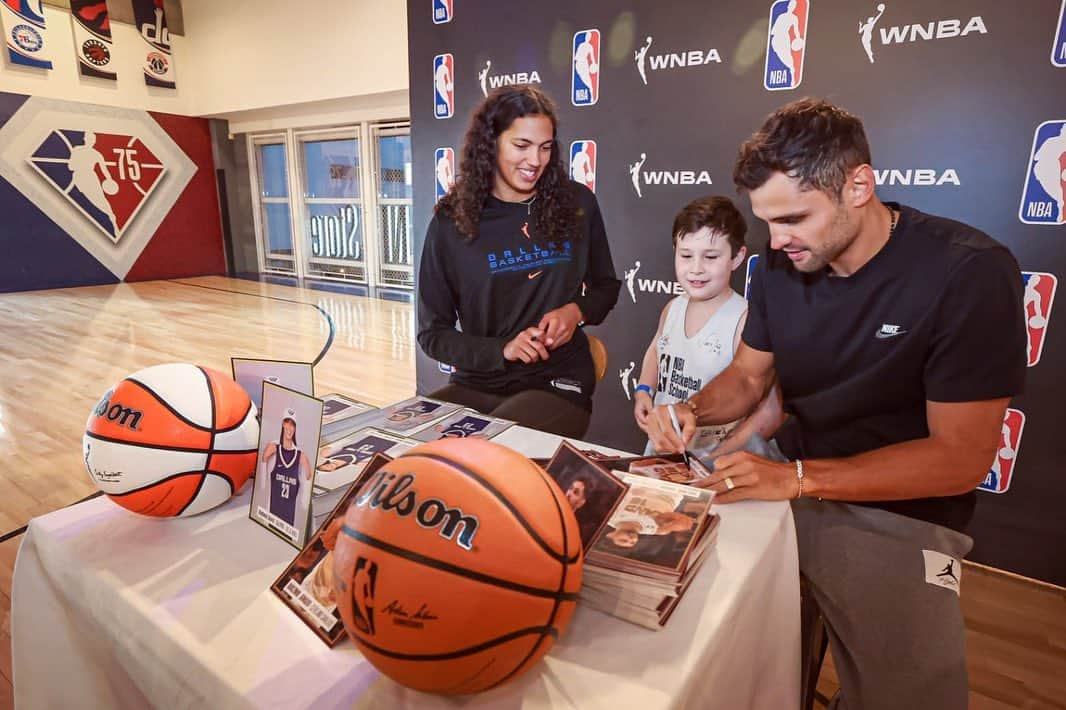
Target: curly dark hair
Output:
[(554, 211), (809, 139)]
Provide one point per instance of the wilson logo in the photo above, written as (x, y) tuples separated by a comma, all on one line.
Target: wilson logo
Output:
[(394, 493)]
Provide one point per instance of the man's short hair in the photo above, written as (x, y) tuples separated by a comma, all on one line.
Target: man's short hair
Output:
[(716, 212), (809, 139)]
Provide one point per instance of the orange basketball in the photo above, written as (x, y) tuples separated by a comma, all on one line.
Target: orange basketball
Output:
[(172, 440), (458, 567)]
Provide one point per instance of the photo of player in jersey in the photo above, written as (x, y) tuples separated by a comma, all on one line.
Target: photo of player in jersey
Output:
[(285, 472), (287, 467)]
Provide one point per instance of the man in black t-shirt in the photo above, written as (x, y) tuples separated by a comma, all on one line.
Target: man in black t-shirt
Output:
[(898, 339)]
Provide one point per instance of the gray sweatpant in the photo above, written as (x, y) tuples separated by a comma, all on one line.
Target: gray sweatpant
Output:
[(888, 589)]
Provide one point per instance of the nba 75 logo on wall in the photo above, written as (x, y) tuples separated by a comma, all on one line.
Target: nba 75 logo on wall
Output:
[(1044, 192), (107, 176), (786, 44), (442, 11), (1010, 440), (443, 86), (583, 163), (585, 74)]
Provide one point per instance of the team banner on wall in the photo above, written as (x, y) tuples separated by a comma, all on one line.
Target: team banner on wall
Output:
[(92, 38), (151, 22), (24, 29), (653, 107)]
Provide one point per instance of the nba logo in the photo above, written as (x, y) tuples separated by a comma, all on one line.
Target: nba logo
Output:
[(107, 176), (752, 261), (443, 86), (1045, 176), (1058, 50), (585, 75), (444, 163), (583, 163), (786, 44), (1039, 294), (442, 11), (446, 369), (1010, 439)]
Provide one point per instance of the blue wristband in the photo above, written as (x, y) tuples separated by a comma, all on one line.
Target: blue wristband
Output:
[(644, 388)]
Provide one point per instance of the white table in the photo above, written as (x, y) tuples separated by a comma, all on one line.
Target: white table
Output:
[(110, 610)]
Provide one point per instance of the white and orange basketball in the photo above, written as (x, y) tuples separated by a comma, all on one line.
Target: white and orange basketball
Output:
[(458, 566), (172, 440)]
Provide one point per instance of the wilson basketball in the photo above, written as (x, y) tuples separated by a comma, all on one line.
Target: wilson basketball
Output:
[(458, 566), (172, 440)]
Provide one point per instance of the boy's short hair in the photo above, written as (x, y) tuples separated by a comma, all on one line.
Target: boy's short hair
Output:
[(716, 212), (811, 140)]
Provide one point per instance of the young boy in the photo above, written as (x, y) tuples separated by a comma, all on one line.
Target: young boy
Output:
[(699, 331)]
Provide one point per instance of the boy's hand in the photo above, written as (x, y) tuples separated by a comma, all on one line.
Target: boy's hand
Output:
[(661, 429), (642, 409), (559, 325)]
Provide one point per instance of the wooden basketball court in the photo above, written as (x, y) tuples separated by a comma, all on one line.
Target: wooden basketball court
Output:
[(63, 348)]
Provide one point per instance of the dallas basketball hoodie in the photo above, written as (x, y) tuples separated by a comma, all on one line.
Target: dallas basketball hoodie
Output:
[(504, 281)]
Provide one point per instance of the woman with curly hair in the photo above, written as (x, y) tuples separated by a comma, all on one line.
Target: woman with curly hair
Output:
[(517, 255)]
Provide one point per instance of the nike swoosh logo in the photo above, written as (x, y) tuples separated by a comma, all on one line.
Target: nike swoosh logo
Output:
[(534, 275), (881, 336)]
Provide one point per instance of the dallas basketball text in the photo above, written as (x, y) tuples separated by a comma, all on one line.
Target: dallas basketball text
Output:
[(395, 493), (117, 412)]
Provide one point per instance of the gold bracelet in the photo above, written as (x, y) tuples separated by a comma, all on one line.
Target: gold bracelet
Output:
[(799, 477)]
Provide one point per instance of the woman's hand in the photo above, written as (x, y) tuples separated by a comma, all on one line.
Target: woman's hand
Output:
[(559, 325), (526, 346)]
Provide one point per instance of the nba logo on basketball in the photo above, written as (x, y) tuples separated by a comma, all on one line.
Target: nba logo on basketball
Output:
[(442, 11), (753, 261), (786, 44), (1058, 49), (1010, 439), (106, 176), (444, 171), (585, 77), (443, 86), (1045, 176), (1039, 295), (583, 163)]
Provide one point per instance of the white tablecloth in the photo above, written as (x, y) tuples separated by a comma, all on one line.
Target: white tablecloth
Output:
[(111, 610)]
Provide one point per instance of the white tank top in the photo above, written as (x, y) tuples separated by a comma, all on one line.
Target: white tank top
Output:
[(687, 364)]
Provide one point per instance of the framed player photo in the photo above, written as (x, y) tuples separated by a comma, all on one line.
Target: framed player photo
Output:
[(306, 585), (590, 490), (251, 373), (285, 468)]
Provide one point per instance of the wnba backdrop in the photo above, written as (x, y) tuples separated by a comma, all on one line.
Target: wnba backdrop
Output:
[(963, 103)]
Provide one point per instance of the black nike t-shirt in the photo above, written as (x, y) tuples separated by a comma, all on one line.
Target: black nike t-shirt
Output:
[(935, 315)]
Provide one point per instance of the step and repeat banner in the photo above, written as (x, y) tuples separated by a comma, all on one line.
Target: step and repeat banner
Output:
[(964, 103)]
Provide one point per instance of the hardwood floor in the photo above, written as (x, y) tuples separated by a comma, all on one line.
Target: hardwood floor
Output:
[(63, 348)]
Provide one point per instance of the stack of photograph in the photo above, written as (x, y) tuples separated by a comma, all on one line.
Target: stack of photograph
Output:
[(645, 530)]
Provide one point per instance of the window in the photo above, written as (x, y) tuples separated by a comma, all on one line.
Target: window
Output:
[(351, 217), (274, 212), (332, 206)]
